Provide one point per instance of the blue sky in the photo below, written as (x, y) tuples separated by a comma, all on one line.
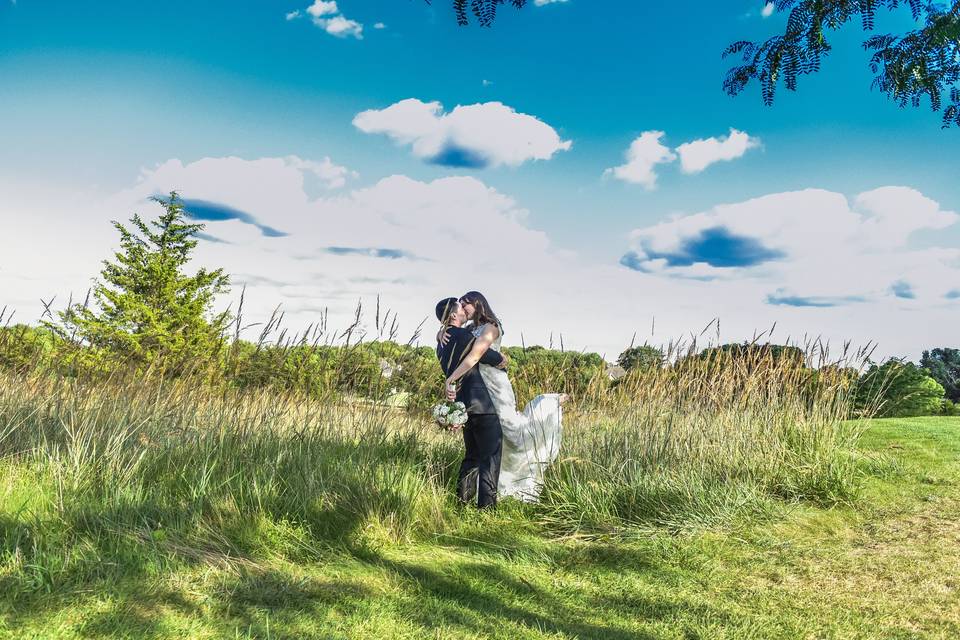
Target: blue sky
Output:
[(94, 95)]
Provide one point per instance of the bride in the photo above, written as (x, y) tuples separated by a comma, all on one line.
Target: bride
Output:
[(531, 439)]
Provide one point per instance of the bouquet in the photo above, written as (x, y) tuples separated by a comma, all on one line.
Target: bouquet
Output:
[(450, 414)]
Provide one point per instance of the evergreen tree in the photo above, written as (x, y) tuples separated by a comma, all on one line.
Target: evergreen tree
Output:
[(145, 308)]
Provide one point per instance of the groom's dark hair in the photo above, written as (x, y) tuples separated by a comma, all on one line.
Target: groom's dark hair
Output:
[(445, 307)]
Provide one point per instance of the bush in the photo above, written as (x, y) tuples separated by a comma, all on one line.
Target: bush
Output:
[(943, 365), (535, 370), (898, 389), (23, 347)]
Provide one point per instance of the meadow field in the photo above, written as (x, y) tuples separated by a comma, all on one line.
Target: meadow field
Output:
[(705, 500)]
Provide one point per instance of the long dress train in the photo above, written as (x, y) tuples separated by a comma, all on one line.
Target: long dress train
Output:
[(531, 438)]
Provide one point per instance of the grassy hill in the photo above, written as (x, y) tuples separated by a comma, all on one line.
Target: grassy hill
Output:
[(886, 566)]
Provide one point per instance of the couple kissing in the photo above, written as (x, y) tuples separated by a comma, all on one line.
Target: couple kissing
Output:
[(506, 451)]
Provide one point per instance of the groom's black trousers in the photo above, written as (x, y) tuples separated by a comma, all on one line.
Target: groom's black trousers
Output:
[(480, 470)]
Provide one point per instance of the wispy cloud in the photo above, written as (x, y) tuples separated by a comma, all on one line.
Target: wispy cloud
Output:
[(216, 212), (781, 299), (210, 238), (369, 252), (902, 289), (767, 10)]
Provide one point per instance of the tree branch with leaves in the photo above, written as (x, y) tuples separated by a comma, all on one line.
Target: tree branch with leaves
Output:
[(924, 62)]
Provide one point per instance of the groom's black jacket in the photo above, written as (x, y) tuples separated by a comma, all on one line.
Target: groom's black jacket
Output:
[(472, 392)]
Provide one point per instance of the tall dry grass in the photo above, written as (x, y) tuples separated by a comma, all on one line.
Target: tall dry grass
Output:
[(135, 472)]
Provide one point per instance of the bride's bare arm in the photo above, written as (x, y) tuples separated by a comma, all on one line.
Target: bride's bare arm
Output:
[(480, 347)]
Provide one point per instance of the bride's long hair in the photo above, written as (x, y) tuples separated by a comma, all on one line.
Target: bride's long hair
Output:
[(483, 314)]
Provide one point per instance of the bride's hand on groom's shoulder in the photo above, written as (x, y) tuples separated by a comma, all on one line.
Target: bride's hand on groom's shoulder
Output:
[(443, 337)]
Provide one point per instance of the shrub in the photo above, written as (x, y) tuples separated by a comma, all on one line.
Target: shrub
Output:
[(943, 365), (898, 389)]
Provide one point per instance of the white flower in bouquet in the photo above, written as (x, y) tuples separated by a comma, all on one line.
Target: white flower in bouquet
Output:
[(450, 414), (458, 415)]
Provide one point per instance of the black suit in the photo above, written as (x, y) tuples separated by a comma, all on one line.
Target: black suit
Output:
[(482, 435)]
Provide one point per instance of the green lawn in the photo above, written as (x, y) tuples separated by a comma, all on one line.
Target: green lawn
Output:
[(886, 567)]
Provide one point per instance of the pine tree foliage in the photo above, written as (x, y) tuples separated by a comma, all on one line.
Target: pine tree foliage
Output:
[(145, 308), (921, 62)]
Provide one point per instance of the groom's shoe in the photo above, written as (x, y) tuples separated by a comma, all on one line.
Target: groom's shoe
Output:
[(467, 486)]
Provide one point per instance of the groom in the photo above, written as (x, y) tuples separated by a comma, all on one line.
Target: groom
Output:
[(482, 435)]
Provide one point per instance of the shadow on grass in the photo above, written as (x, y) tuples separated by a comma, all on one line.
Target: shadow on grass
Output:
[(117, 588), (247, 603), (479, 596)]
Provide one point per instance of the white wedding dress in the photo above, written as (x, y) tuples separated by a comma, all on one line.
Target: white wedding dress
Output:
[(531, 439)]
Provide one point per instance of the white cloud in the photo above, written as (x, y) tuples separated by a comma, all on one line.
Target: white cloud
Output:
[(647, 151), (477, 135), (644, 154), (379, 25), (341, 27), (332, 175), (542, 3), (767, 10), (326, 15), (320, 8), (809, 248), (293, 15), (699, 154), (413, 242)]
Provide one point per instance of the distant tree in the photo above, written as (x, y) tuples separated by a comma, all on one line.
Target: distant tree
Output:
[(921, 62), (145, 307), (943, 365), (898, 389), (643, 358), (753, 353)]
